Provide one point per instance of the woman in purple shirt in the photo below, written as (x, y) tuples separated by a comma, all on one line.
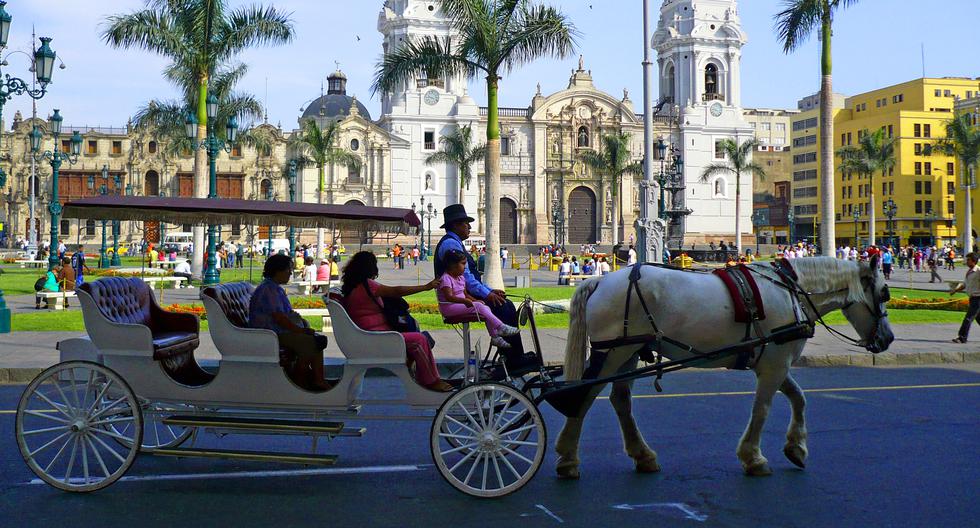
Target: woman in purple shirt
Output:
[(269, 308)]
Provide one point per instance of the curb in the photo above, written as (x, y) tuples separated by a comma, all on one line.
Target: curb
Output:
[(21, 375)]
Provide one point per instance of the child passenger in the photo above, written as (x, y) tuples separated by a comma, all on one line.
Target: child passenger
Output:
[(454, 301)]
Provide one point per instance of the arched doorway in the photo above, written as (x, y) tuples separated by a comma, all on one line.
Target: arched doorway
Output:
[(151, 184), (508, 221), (350, 235), (582, 216)]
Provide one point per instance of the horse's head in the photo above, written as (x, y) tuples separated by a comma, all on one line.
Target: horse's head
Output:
[(869, 316)]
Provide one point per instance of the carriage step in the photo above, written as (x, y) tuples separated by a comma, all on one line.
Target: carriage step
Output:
[(257, 456), (257, 424), (353, 432)]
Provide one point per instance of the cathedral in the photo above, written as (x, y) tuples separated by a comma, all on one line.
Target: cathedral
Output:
[(547, 193)]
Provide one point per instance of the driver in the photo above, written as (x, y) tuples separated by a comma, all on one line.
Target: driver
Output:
[(457, 225)]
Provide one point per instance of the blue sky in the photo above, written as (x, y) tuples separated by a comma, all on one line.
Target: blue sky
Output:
[(877, 43)]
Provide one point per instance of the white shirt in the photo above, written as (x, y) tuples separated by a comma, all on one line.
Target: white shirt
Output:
[(503, 254), (565, 268), (972, 281), (604, 267), (182, 267), (309, 273), (632, 257)]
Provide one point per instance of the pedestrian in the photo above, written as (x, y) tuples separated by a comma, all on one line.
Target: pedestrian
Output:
[(631, 258), (971, 284), (603, 266), (886, 263), (564, 270), (933, 273), (240, 256), (503, 257)]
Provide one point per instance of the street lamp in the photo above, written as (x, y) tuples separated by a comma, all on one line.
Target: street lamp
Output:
[(930, 217), (790, 218), (856, 215), (268, 196), (42, 65), (56, 158), (102, 191), (163, 226), (213, 145), (291, 176), (758, 220), (891, 209), (426, 212)]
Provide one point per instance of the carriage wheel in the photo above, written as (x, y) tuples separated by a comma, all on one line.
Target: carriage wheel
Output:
[(488, 455), (62, 426), (156, 434)]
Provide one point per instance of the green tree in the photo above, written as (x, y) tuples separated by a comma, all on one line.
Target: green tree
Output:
[(614, 160), (319, 148), (794, 24), (493, 38), (458, 150), (198, 36), (874, 153), (963, 142), (738, 161)]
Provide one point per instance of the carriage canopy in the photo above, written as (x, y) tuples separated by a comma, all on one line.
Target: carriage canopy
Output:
[(246, 212)]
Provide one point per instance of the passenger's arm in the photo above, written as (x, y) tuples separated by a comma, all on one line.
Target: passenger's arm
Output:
[(403, 291)]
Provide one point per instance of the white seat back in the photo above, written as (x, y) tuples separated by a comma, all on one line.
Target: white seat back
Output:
[(361, 346)]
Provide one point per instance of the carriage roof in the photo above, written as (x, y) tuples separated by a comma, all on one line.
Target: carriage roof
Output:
[(230, 211)]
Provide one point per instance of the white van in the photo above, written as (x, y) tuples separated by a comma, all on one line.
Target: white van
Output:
[(182, 240), (278, 244), (478, 241)]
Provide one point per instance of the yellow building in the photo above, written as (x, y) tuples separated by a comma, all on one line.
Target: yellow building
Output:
[(970, 105), (805, 166), (923, 184), (770, 194)]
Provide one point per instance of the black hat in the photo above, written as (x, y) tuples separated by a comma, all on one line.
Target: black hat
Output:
[(454, 213)]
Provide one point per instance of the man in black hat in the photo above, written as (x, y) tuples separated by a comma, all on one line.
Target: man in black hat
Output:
[(457, 225)]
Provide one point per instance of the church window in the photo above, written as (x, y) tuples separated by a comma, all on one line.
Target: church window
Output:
[(718, 187), (116, 147), (670, 82), (353, 175), (505, 146), (152, 147), (583, 136), (92, 148), (719, 149), (430, 140), (355, 144), (90, 228), (711, 79)]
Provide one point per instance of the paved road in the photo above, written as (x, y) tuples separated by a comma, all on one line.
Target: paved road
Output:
[(900, 456)]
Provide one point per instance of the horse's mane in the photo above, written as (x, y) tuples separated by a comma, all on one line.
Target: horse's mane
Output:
[(825, 274)]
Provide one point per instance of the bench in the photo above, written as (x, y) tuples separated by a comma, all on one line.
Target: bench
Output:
[(318, 312), (169, 264), (60, 299), (306, 287), (32, 263), (121, 314), (579, 277), (153, 280)]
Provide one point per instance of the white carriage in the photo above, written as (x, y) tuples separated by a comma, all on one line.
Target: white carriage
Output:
[(134, 386)]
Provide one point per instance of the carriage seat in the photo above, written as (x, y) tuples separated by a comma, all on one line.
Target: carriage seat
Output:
[(233, 298), (175, 336), (460, 319)]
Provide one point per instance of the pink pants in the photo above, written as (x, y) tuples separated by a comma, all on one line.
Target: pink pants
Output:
[(456, 310), (417, 347)]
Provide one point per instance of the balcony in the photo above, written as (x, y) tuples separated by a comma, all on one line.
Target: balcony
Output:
[(423, 83), (707, 97)]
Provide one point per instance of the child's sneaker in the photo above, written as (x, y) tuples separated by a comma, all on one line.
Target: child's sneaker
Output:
[(499, 342), (507, 330)]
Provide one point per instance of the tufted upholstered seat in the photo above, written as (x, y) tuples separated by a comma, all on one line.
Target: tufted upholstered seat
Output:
[(175, 335), (233, 298)]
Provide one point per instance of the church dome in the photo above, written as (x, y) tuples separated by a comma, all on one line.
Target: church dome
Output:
[(336, 103)]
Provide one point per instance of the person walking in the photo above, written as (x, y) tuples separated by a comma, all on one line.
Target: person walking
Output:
[(971, 284), (886, 263), (933, 267)]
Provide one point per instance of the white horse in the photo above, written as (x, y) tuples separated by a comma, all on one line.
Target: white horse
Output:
[(695, 308)]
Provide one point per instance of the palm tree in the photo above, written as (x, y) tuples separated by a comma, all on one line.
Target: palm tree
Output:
[(963, 141), (493, 37), (794, 24), (318, 146), (614, 161), (738, 161), (197, 36), (458, 150), (875, 152)]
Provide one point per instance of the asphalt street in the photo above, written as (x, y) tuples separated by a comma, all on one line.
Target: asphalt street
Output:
[(888, 447)]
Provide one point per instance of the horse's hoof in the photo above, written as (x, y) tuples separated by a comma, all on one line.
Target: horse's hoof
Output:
[(647, 465), (796, 454), (758, 469), (568, 472)]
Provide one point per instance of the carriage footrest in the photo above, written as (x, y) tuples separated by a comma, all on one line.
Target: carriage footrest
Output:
[(257, 424), (257, 456)]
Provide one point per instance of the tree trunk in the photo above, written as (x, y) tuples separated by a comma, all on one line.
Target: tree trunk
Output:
[(461, 186), (738, 214), (319, 198), (828, 231), (871, 214), (615, 212), (200, 182), (968, 209), (493, 274)]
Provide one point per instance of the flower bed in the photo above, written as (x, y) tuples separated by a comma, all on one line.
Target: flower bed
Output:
[(195, 309), (958, 304)]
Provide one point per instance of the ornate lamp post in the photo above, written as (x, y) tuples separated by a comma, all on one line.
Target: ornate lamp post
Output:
[(42, 66), (856, 215), (429, 214), (102, 190), (758, 220), (268, 196), (56, 158), (291, 175), (790, 218), (930, 217), (426, 212), (213, 145), (891, 209), (163, 227)]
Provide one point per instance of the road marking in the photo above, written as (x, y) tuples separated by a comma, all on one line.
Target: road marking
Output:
[(549, 513), (689, 512), (263, 474), (828, 389)]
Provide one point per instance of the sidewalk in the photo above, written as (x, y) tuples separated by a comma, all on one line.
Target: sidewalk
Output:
[(24, 354)]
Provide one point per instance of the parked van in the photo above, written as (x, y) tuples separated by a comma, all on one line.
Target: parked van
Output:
[(278, 244), (478, 241), (181, 240)]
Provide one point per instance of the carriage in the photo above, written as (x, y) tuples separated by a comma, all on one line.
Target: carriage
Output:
[(133, 385)]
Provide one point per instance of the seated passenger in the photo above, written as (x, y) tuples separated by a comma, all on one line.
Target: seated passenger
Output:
[(323, 271), (455, 301), (362, 299), (269, 308)]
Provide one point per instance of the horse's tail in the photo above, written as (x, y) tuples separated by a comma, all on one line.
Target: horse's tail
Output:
[(577, 330)]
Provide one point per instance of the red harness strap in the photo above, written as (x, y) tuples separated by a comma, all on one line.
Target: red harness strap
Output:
[(742, 314)]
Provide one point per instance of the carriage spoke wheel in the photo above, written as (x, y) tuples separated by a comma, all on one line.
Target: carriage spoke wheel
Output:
[(156, 434), (68, 422), (498, 440)]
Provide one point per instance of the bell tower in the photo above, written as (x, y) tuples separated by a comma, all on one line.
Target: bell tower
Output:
[(699, 48)]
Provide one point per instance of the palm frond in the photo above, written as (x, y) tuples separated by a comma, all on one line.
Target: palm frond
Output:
[(428, 57), (252, 26), (538, 31), (149, 29), (713, 170), (797, 20)]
